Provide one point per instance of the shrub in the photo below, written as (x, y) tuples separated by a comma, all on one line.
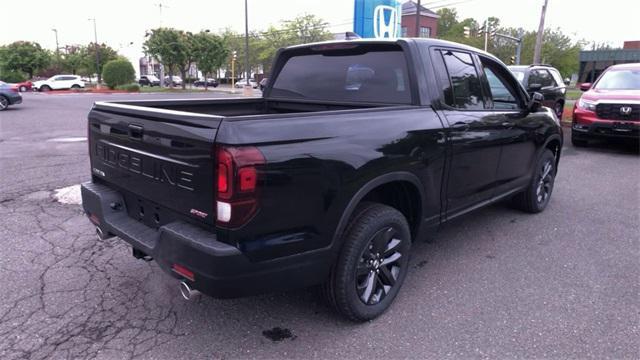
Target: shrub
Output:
[(12, 77), (118, 72), (133, 87)]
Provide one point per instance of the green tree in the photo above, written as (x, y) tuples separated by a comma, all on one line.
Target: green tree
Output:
[(24, 56), (209, 52), (106, 54), (307, 29), (118, 72), (448, 18), (74, 60), (172, 48)]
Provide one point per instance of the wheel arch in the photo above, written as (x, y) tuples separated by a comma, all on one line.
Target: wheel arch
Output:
[(388, 181), (553, 143)]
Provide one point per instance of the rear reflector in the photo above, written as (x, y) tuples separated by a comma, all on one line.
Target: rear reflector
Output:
[(94, 219), (183, 271)]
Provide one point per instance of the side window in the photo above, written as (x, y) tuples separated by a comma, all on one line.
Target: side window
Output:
[(464, 90), (502, 91), (542, 77)]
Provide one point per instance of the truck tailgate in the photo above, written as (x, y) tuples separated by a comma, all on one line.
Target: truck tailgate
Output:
[(162, 163)]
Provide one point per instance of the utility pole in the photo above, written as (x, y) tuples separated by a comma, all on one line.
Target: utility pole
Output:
[(486, 34), (246, 42), (519, 46), (57, 46), (418, 7), (95, 34), (538, 48)]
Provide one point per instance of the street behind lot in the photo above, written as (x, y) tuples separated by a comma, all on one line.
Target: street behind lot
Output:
[(497, 283)]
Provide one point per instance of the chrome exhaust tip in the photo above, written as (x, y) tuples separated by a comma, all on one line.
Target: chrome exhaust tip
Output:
[(103, 235), (187, 292)]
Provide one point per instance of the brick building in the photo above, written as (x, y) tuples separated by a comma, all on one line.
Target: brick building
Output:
[(594, 62), (428, 21)]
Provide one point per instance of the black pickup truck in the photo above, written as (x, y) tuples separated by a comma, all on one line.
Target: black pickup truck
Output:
[(355, 150)]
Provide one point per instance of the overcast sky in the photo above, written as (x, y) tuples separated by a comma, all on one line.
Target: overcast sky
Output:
[(120, 22)]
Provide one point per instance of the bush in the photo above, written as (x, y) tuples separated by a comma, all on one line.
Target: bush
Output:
[(118, 72), (133, 87), (12, 77)]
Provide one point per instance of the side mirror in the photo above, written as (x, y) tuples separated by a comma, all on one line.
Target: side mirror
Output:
[(535, 102), (567, 81), (534, 87), (585, 86)]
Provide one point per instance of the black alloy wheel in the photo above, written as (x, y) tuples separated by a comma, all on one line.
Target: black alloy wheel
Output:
[(545, 184), (536, 196), (372, 263), (4, 103), (379, 266), (559, 109)]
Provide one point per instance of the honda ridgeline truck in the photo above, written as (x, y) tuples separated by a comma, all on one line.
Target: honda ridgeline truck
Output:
[(355, 150)]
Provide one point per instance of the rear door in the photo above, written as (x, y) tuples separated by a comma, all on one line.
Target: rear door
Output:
[(160, 160), (473, 131)]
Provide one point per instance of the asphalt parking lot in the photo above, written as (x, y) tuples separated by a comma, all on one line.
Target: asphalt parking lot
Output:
[(563, 284)]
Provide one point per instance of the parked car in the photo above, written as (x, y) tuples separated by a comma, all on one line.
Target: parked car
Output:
[(149, 80), (177, 80), (23, 86), (263, 83), (544, 79), (610, 107), (328, 177), (59, 82), (9, 95), (243, 82), (210, 82)]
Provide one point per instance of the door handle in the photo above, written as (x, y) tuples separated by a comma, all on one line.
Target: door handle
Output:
[(460, 126), (507, 124)]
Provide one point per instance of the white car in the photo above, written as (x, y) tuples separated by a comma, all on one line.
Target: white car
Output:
[(243, 82), (177, 81), (59, 82)]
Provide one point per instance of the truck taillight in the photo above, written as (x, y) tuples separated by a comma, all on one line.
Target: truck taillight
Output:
[(237, 185)]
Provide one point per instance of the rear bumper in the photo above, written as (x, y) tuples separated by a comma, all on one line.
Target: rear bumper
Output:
[(220, 270)]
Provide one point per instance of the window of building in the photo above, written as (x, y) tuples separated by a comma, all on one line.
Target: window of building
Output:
[(425, 32), (404, 32)]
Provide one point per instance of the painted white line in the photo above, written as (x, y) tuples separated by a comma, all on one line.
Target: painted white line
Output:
[(69, 139), (68, 195)]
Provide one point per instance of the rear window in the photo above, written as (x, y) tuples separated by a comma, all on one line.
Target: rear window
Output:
[(359, 74)]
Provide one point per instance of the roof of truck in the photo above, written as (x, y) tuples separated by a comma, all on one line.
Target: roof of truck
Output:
[(425, 41)]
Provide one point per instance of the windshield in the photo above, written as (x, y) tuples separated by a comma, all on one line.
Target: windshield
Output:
[(519, 74), (619, 80), (365, 73)]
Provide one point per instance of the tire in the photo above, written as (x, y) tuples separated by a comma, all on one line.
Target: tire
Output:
[(75, 87), (45, 88), (372, 264), (536, 196), (4, 103), (23, 88), (558, 108), (577, 142)]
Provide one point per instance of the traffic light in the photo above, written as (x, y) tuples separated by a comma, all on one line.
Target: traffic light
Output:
[(481, 30), (467, 31), (235, 55), (493, 32), (512, 59)]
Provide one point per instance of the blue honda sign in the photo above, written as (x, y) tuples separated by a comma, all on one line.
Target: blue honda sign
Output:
[(377, 18)]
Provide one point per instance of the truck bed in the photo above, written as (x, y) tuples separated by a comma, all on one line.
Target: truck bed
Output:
[(225, 108)]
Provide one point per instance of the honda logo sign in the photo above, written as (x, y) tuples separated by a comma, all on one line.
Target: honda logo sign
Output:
[(377, 18), (383, 28)]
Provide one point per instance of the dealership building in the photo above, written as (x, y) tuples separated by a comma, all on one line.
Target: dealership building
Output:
[(593, 63)]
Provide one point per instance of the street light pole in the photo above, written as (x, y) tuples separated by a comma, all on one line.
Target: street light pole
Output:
[(95, 34), (57, 46), (246, 41)]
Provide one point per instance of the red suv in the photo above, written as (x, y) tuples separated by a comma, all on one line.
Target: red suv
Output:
[(610, 107)]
